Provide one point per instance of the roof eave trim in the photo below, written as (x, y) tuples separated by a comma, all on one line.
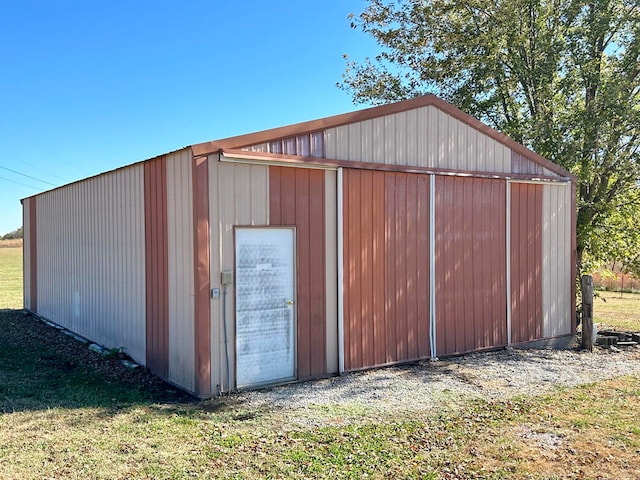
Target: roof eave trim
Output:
[(278, 159)]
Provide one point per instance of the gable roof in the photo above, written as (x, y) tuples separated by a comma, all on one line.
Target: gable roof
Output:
[(247, 140), (234, 145)]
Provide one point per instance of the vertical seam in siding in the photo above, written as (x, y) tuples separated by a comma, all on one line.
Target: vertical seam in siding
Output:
[(432, 266), (340, 248), (508, 259)]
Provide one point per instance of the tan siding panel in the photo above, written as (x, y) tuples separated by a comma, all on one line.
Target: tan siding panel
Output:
[(90, 268), (180, 249), (556, 260), (526, 262), (521, 164), (238, 195), (386, 266), (470, 238), (424, 137)]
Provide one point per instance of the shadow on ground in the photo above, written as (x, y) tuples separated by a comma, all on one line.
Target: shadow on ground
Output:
[(42, 368)]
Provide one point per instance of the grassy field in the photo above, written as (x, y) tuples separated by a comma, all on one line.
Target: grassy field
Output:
[(617, 310), (10, 277), (17, 243)]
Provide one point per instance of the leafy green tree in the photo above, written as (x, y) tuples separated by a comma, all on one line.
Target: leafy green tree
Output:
[(560, 76), (618, 240)]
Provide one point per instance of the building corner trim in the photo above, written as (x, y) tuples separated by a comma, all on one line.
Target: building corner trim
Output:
[(33, 254), (432, 267), (340, 272)]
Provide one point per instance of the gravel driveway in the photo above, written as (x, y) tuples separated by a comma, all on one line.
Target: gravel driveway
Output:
[(402, 390)]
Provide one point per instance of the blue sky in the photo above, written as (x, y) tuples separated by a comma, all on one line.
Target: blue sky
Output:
[(88, 86)]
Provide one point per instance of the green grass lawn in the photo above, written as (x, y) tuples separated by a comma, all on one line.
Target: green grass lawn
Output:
[(617, 310), (11, 277)]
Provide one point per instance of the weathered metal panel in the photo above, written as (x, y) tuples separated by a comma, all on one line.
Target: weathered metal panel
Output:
[(470, 264), (386, 267), (297, 198), (180, 250), (556, 260), (424, 137), (156, 266), (526, 262), (91, 261), (238, 195)]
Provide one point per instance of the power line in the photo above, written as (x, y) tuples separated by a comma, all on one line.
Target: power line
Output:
[(19, 183), (28, 176), (5, 153), (39, 147)]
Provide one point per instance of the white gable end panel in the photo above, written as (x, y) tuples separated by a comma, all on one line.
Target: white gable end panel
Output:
[(422, 137)]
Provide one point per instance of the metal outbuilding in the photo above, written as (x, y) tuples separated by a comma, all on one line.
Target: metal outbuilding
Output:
[(385, 235)]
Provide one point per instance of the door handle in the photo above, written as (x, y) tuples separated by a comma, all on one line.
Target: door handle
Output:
[(288, 302)]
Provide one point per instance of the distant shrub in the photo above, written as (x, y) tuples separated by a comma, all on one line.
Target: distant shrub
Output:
[(19, 233)]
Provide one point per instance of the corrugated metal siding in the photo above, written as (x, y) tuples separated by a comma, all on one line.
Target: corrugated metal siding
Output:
[(156, 266), (423, 137), (470, 264), (180, 269), (202, 279), (91, 267), (520, 164), (306, 145), (331, 268), (526, 262), (386, 255), (28, 232), (239, 195), (297, 198), (556, 276)]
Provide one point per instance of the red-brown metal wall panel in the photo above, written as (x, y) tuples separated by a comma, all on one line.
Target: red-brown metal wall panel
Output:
[(202, 274), (156, 266), (386, 267), (526, 262), (297, 198), (470, 232)]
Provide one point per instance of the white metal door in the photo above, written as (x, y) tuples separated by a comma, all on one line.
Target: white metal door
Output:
[(265, 294)]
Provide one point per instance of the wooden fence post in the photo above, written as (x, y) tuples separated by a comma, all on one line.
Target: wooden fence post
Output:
[(586, 284)]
